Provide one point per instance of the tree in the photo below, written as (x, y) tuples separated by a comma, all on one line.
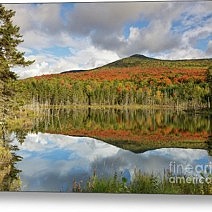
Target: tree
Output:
[(10, 38), (10, 57), (209, 81)]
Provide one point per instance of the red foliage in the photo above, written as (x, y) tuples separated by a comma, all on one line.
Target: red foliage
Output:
[(158, 74), (160, 135)]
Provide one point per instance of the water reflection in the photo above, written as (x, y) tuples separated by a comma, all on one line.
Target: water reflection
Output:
[(9, 173), (135, 120), (209, 143), (136, 130), (51, 162)]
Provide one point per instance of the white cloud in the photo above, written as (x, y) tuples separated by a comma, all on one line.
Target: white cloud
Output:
[(40, 24), (152, 39), (191, 36), (183, 53), (83, 59), (106, 23), (209, 49), (44, 17), (94, 32), (44, 142)]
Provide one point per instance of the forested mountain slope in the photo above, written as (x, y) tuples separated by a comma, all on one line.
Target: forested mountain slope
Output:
[(136, 80)]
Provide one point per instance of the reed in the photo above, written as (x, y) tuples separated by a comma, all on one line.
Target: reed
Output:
[(143, 183)]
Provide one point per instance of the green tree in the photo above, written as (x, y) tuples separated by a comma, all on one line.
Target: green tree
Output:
[(10, 38), (10, 57), (209, 80)]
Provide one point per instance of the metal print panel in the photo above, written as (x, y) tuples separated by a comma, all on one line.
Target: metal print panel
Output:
[(106, 97)]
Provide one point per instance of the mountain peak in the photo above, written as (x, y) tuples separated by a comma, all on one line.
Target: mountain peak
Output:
[(140, 56), (133, 60)]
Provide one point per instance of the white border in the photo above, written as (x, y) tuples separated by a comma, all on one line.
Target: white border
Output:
[(55, 202), (57, 1)]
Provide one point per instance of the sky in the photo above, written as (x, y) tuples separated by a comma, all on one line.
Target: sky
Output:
[(76, 36)]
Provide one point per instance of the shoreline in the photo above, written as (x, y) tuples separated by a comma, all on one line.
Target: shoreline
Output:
[(143, 107)]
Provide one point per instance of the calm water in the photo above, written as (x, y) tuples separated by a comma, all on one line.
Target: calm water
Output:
[(61, 148), (51, 162)]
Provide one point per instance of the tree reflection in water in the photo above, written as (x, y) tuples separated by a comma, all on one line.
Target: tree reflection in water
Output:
[(209, 141), (9, 174), (137, 130), (135, 122)]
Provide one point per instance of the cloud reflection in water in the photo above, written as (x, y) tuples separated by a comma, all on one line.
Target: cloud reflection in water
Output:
[(51, 162)]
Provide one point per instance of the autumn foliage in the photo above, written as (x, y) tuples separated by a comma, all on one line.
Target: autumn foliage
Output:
[(130, 81)]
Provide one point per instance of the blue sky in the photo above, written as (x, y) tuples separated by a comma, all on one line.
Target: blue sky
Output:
[(68, 36)]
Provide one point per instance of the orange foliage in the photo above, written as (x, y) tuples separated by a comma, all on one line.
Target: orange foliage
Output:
[(160, 135), (175, 76)]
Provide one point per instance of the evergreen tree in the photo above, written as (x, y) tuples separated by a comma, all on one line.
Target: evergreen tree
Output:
[(10, 38), (10, 57)]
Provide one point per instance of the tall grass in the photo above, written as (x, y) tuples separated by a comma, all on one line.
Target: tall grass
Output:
[(143, 184)]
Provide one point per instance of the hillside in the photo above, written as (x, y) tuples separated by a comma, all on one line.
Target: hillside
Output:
[(142, 67), (129, 84), (142, 61), (136, 80)]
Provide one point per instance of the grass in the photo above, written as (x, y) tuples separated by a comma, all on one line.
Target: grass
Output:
[(144, 184)]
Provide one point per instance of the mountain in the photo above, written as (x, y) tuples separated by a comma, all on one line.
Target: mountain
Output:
[(133, 60), (142, 67), (140, 56), (135, 82), (143, 61), (73, 71)]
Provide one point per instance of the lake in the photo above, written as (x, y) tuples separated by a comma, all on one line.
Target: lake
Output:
[(137, 130), (67, 145), (51, 162)]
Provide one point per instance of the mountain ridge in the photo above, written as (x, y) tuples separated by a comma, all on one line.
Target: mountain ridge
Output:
[(138, 60)]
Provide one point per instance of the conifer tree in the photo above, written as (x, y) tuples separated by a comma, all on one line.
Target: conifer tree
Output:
[(10, 57)]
